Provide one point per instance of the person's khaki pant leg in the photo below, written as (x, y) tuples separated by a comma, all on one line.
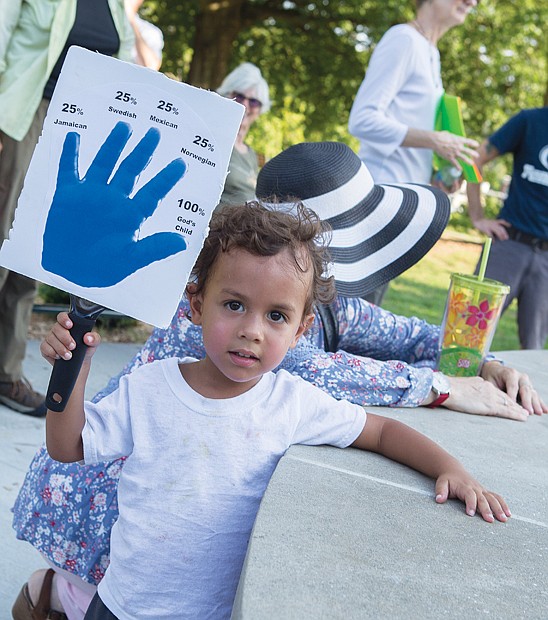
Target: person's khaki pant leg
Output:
[(16, 291), (16, 301)]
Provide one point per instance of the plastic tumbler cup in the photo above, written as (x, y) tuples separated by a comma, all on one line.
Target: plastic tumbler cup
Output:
[(471, 315)]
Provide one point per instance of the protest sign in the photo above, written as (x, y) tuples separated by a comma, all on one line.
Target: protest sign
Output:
[(119, 193)]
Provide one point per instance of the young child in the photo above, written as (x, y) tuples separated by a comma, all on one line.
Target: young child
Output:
[(203, 437)]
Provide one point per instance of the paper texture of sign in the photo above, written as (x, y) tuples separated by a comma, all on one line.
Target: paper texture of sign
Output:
[(121, 186)]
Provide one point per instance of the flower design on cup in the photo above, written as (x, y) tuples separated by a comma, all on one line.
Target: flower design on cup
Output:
[(459, 303), (467, 321), (481, 315), (476, 337)]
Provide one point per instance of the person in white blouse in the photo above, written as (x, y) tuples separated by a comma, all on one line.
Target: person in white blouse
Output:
[(149, 40), (394, 111)]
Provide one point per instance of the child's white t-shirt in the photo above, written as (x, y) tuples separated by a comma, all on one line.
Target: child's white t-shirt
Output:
[(196, 472)]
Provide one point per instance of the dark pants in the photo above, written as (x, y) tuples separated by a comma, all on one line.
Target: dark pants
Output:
[(97, 610), (525, 270)]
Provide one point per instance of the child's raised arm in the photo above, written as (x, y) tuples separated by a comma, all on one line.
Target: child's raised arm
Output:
[(405, 445), (64, 430)]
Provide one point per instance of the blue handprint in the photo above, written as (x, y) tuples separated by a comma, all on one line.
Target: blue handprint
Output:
[(90, 235)]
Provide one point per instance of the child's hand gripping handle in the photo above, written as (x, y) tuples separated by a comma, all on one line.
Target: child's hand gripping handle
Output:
[(83, 315)]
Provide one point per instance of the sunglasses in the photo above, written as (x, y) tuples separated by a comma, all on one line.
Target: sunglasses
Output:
[(253, 103)]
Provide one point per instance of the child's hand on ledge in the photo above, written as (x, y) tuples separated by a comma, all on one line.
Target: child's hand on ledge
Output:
[(460, 485)]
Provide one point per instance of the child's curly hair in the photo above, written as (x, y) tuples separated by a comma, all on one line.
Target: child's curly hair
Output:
[(265, 232)]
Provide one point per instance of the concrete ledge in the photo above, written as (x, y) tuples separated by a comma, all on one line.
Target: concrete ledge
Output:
[(347, 534)]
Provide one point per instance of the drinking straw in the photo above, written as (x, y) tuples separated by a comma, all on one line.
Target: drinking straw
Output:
[(484, 257), (483, 265)]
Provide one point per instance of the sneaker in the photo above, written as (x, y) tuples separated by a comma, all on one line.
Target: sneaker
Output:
[(20, 396)]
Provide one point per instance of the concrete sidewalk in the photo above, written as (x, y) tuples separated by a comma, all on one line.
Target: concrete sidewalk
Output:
[(20, 437)]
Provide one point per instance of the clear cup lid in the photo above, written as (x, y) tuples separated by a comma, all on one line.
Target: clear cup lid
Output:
[(486, 285)]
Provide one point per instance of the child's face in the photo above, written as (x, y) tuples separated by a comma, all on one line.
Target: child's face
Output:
[(251, 313)]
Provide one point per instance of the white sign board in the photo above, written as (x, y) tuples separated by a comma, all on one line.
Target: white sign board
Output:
[(121, 186)]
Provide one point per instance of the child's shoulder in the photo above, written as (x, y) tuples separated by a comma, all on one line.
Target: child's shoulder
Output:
[(154, 368), (153, 365), (307, 396), (296, 385)]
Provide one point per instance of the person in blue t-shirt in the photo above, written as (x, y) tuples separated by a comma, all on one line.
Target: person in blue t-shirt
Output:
[(519, 254)]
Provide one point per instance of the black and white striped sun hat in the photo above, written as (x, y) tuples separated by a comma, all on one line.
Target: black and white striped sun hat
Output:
[(379, 231)]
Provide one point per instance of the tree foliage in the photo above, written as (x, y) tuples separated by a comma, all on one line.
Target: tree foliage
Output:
[(314, 54)]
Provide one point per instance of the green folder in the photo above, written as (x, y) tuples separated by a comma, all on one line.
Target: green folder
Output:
[(449, 118)]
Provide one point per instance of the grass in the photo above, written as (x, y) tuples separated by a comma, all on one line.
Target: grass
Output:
[(422, 290)]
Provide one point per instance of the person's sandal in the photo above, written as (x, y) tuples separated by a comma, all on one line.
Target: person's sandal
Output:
[(23, 609)]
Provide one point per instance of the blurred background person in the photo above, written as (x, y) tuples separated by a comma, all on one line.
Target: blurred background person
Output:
[(393, 114), (519, 254), (149, 40), (246, 85), (31, 57)]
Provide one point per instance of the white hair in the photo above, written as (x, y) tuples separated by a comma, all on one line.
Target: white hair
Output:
[(246, 76)]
